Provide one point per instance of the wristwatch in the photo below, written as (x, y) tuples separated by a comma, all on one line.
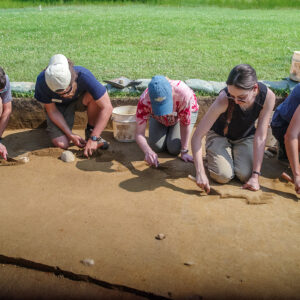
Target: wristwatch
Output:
[(256, 172), (183, 151), (95, 138)]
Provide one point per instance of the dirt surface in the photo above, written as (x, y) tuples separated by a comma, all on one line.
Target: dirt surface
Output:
[(110, 208), (21, 283)]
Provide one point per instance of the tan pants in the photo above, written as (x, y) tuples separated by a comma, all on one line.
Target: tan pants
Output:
[(226, 158)]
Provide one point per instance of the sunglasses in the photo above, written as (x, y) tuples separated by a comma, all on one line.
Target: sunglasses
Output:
[(64, 92), (3, 90), (240, 99)]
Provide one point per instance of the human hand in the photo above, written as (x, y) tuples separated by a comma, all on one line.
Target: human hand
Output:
[(151, 158), (297, 184), (90, 147), (203, 182), (78, 140), (3, 151), (252, 184), (186, 157)]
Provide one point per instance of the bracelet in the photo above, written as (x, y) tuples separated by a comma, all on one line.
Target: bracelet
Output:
[(183, 151), (255, 172)]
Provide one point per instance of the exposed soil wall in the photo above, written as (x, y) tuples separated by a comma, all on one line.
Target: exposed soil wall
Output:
[(29, 113)]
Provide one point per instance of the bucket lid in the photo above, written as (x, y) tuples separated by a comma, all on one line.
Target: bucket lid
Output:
[(127, 110)]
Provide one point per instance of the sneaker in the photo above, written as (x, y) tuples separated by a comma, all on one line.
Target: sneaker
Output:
[(88, 132)]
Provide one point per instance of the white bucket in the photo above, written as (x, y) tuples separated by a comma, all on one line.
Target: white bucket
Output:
[(295, 67), (124, 123)]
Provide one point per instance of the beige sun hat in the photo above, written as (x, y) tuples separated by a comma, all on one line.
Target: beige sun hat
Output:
[(57, 74)]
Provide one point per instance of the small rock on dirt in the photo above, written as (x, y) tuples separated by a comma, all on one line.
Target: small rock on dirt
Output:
[(67, 156), (24, 159), (160, 236), (88, 262), (189, 263)]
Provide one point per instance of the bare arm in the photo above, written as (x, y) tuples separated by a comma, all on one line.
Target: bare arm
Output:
[(150, 156), (260, 139), (140, 137), (292, 147), (216, 109), (184, 134), (7, 108), (105, 112)]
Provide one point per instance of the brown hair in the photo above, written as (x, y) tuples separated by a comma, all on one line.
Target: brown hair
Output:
[(242, 76), (72, 71)]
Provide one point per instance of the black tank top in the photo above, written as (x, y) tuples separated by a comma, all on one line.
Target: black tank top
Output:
[(243, 122)]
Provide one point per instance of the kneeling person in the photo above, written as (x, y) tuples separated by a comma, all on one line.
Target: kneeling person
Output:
[(5, 108), (286, 129), (172, 109), (62, 87), (234, 146)]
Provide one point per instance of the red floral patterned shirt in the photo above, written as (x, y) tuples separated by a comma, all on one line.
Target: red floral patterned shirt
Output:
[(184, 103)]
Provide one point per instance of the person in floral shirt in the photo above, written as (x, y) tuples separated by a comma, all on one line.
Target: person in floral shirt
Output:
[(172, 109)]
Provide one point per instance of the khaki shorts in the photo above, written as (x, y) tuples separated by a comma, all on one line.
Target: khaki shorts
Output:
[(68, 112), (227, 158)]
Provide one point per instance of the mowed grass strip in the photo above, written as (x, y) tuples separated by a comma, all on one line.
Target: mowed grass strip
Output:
[(139, 41)]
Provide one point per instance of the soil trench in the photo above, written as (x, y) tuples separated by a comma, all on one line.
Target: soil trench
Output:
[(110, 208)]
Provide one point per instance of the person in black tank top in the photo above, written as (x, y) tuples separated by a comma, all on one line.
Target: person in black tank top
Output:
[(234, 147)]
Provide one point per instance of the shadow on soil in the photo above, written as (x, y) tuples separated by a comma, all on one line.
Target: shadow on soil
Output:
[(127, 157), (19, 143)]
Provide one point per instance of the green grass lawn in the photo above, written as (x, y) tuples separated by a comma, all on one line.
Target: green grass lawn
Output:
[(138, 41)]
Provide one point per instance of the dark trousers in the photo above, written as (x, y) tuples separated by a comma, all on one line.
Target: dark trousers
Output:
[(279, 133)]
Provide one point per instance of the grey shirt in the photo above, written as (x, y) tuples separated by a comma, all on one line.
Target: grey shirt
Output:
[(6, 96)]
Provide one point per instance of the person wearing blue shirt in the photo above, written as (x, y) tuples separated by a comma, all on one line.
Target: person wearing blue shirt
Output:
[(286, 129), (62, 88), (5, 108)]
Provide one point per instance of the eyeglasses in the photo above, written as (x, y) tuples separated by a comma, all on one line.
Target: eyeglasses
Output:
[(3, 90), (240, 99), (64, 92)]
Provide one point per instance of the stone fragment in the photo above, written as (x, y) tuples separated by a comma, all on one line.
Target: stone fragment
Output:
[(24, 159), (67, 156), (189, 263), (160, 236), (88, 262)]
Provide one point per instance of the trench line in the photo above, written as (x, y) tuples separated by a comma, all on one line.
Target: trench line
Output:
[(28, 264)]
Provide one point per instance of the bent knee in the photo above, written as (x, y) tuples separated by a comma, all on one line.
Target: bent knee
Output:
[(242, 175), (221, 176), (61, 143), (157, 147), (174, 147)]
